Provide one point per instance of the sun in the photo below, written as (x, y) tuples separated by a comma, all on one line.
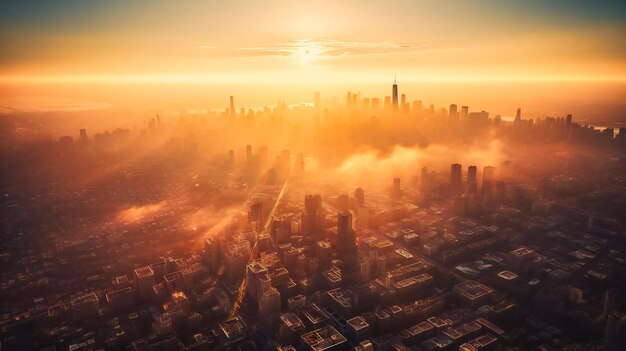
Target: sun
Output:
[(306, 51)]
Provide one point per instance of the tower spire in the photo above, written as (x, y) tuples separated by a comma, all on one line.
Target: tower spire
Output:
[(394, 93)]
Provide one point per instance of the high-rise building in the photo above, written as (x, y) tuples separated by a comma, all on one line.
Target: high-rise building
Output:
[(396, 186), (472, 183), (255, 212), (464, 112), (366, 103), (424, 182), (361, 220), (83, 135), (254, 271), (85, 307), (359, 195), (299, 166), (394, 94), (312, 217), (375, 103), (456, 181), (326, 338), (506, 169), (144, 281), (312, 203), (518, 115), (248, 153), (343, 202), (346, 237), (488, 177), (211, 253), (417, 106), (452, 113), (232, 106), (269, 303)]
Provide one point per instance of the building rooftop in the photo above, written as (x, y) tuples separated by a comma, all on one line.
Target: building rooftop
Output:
[(143, 272), (325, 338), (522, 251), (233, 328), (472, 289), (358, 323), (507, 275), (314, 314), (292, 321)]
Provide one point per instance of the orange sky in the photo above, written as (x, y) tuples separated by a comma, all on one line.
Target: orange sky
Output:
[(71, 45)]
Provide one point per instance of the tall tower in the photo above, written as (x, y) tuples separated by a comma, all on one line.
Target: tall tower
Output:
[(464, 112), (456, 177), (488, 177), (394, 94), (472, 184), (232, 106), (312, 217), (359, 195), (453, 112), (346, 236), (248, 153)]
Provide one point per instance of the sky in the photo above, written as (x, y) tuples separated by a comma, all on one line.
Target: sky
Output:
[(92, 49)]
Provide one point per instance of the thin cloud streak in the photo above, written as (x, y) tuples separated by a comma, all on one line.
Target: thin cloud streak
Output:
[(321, 48)]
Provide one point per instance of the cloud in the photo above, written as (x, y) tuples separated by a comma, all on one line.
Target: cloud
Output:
[(319, 48), (378, 167), (48, 104), (138, 213)]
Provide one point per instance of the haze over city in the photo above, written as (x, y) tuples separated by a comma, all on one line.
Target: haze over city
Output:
[(328, 175)]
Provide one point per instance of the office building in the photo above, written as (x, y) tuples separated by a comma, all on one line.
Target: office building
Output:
[(394, 94), (456, 181)]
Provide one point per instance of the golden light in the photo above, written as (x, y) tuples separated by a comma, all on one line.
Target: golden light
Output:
[(306, 51)]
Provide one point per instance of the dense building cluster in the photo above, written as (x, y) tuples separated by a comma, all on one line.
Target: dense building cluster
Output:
[(165, 239)]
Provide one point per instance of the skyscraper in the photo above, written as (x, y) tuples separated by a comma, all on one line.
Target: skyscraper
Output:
[(472, 184), (456, 177), (359, 195), (346, 237), (506, 169), (312, 217), (518, 115), (452, 113), (396, 186), (464, 112), (394, 94), (83, 134), (232, 106), (488, 177), (424, 181), (248, 153), (255, 212), (375, 103), (231, 156)]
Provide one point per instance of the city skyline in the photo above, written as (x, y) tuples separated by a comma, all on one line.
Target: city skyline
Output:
[(146, 55), (347, 175)]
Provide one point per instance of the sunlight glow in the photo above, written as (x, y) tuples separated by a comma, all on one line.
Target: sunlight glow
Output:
[(306, 51)]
